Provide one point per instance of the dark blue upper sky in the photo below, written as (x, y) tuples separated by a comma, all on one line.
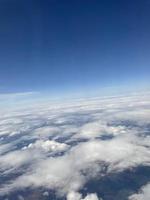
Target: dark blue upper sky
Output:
[(71, 45)]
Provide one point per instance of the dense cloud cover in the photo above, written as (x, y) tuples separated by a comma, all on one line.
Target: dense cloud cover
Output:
[(62, 147)]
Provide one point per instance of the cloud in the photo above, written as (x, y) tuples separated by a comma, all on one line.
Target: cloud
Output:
[(81, 163), (99, 128), (48, 146), (15, 95), (143, 194), (77, 196), (15, 159), (20, 197), (46, 131), (30, 139)]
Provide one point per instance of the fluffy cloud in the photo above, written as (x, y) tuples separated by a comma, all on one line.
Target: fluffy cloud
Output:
[(97, 129), (81, 163), (77, 196), (48, 146), (46, 131), (81, 130), (144, 194)]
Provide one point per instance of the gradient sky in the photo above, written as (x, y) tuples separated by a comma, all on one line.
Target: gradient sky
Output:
[(60, 46)]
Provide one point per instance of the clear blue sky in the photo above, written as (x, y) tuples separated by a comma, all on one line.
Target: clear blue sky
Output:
[(60, 46)]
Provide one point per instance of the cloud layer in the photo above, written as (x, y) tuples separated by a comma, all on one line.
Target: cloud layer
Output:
[(62, 147)]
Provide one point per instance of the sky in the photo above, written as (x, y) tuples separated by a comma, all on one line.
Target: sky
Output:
[(65, 46)]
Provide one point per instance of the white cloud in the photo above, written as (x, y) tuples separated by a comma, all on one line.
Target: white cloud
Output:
[(46, 131), (46, 193), (119, 153), (144, 193), (15, 159), (77, 196), (14, 95), (74, 196), (98, 128), (48, 146), (67, 173)]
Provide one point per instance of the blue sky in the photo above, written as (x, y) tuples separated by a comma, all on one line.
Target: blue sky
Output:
[(65, 46)]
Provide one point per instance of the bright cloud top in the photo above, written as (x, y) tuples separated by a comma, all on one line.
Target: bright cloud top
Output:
[(61, 148), (144, 193)]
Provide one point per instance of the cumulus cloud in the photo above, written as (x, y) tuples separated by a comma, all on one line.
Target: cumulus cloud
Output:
[(77, 196), (15, 159), (81, 163), (99, 128), (32, 138), (48, 146), (143, 194)]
